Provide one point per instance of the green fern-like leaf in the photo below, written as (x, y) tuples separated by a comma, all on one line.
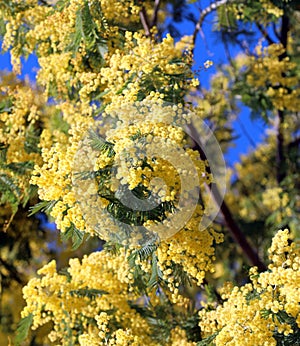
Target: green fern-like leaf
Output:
[(31, 192), (98, 143), (5, 106), (44, 206), (10, 193), (19, 168), (8, 184), (23, 329), (252, 295), (112, 247), (209, 341), (75, 234), (156, 273), (142, 253), (86, 30), (180, 275), (292, 339)]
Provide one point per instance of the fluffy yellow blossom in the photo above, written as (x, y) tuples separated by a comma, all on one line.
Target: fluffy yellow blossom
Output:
[(142, 65), (258, 312), (99, 283), (270, 69), (275, 199), (91, 305)]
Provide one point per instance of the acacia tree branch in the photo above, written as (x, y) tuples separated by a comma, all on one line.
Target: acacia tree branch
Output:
[(145, 21), (280, 154), (235, 231), (155, 13), (212, 7), (264, 33), (43, 2)]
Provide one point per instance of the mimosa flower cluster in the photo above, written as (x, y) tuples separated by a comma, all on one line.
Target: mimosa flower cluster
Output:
[(279, 75), (256, 313), (91, 304)]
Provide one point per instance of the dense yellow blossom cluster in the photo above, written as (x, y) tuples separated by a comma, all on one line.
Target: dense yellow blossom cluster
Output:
[(124, 66), (258, 311), (64, 57), (53, 176), (22, 109), (269, 69), (271, 8), (142, 65), (99, 287), (275, 199), (91, 305), (115, 141), (192, 250)]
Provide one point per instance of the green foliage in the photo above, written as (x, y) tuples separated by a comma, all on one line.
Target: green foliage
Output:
[(226, 19), (292, 339), (32, 138), (156, 273), (10, 191), (98, 143), (44, 206), (75, 234), (143, 253), (252, 295), (209, 341), (23, 329), (6, 105), (142, 280), (87, 30), (258, 102), (235, 20)]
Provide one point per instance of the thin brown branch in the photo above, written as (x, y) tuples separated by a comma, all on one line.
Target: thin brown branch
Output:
[(145, 22), (155, 13), (212, 7), (280, 154), (43, 2), (235, 231), (264, 33)]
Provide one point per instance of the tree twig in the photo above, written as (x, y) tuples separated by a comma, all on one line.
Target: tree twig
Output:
[(280, 154), (212, 7), (264, 33), (145, 21), (155, 13), (236, 233)]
